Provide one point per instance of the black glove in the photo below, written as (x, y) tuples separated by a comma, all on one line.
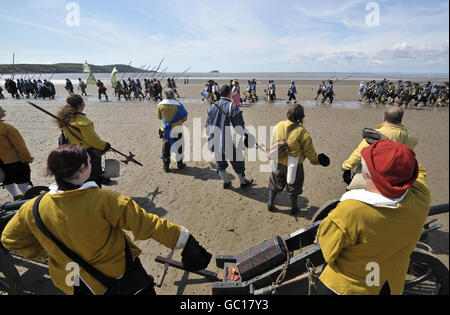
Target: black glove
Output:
[(249, 141), (161, 134), (347, 176), (107, 147), (194, 257), (324, 160)]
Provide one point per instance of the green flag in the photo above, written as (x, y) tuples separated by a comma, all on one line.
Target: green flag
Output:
[(91, 79), (113, 78), (86, 68)]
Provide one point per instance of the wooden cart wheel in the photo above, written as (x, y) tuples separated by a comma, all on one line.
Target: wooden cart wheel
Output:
[(426, 275), (323, 212), (35, 191), (11, 277)]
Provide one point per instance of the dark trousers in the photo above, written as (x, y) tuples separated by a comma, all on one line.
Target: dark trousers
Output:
[(166, 149), (292, 97), (278, 180), (238, 166), (96, 167)]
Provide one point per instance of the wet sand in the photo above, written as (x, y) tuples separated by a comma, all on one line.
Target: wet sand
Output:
[(228, 222)]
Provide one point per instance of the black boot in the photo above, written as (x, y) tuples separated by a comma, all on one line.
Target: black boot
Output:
[(294, 207), (166, 166), (270, 204), (181, 165)]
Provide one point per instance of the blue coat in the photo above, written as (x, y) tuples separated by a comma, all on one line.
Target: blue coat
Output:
[(293, 89), (217, 123)]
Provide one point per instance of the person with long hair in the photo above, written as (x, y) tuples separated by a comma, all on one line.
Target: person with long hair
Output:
[(91, 222), (79, 130)]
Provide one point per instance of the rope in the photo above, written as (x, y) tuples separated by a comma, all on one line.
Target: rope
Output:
[(311, 277), (283, 273)]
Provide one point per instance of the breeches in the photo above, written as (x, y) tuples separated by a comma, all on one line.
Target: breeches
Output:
[(166, 148), (16, 173), (278, 180)]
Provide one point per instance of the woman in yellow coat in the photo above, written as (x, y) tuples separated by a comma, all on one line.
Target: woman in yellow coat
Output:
[(300, 148), (14, 159), (91, 222), (82, 132)]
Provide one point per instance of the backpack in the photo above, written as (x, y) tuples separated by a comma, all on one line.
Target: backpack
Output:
[(280, 149)]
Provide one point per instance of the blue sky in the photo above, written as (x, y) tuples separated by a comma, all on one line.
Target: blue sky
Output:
[(232, 35)]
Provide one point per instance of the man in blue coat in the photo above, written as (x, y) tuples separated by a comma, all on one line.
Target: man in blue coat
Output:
[(223, 116), (291, 93)]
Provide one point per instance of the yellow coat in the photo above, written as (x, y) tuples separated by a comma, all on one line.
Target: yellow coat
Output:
[(356, 234), (90, 222), (393, 132), (299, 142), (12, 146), (88, 135), (167, 112)]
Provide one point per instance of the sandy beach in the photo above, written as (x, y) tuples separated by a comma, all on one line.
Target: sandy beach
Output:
[(227, 222)]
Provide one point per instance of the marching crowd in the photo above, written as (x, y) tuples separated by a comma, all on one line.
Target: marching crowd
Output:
[(211, 92), (405, 93), (29, 89), (402, 93)]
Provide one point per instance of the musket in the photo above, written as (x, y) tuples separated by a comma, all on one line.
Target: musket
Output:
[(128, 158), (51, 77)]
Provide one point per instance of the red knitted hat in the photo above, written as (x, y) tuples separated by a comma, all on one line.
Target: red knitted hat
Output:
[(393, 167)]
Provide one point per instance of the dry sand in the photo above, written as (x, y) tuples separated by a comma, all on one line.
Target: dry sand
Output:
[(227, 222)]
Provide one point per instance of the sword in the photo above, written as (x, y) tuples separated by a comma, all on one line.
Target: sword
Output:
[(128, 158)]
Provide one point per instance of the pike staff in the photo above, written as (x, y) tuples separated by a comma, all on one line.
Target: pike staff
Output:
[(139, 70), (129, 67), (128, 158), (179, 75), (144, 73), (157, 69)]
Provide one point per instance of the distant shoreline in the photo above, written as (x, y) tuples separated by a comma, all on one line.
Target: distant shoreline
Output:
[(76, 68)]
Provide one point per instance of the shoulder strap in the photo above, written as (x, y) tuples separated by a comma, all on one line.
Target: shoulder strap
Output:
[(103, 279), (223, 112), (73, 134), (288, 134)]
